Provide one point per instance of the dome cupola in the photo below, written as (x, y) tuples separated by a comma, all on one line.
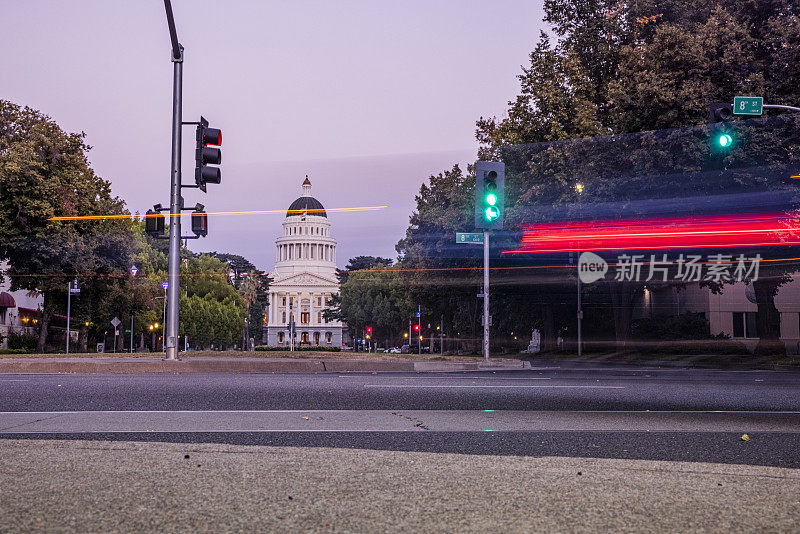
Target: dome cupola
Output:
[(306, 204)]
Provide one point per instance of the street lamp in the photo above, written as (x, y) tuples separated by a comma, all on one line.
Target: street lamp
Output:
[(579, 190)]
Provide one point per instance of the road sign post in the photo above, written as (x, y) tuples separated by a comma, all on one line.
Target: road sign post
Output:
[(115, 322), (72, 287)]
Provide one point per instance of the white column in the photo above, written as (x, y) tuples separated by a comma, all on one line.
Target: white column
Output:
[(311, 321)]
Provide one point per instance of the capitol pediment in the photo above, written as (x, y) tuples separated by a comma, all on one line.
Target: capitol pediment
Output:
[(304, 279)]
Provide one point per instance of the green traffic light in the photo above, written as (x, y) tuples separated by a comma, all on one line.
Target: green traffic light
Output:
[(491, 199), (724, 140), (491, 213)]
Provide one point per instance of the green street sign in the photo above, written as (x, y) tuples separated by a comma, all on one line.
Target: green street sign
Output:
[(469, 238), (748, 105)]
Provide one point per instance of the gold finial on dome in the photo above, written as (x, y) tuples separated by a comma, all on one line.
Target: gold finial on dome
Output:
[(307, 187)]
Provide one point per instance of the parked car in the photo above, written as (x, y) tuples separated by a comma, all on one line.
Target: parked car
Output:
[(395, 350)]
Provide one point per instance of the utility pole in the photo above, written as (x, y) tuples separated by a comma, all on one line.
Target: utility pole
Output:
[(69, 302), (486, 317), (419, 327), (441, 335), (175, 204), (580, 316)]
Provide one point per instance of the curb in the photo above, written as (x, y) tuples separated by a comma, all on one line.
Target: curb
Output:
[(188, 366)]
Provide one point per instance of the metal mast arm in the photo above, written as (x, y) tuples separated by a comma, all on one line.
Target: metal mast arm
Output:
[(173, 34)]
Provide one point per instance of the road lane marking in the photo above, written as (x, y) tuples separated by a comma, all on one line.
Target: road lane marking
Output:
[(656, 412), (454, 377), (476, 386)]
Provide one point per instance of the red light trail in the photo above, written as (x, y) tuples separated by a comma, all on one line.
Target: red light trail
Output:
[(747, 230)]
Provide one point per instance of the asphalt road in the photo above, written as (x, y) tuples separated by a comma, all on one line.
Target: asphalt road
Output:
[(562, 448), (557, 409)]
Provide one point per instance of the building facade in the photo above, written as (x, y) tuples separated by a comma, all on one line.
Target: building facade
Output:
[(20, 311), (731, 311), (304, 277)]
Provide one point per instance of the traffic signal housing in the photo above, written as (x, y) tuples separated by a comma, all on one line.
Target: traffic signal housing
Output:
[(153, 223), (490, 179), (200, 223), (721, 135), (206, 155)]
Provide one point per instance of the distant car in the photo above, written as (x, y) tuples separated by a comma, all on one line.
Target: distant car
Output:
[(404, 349), (395, 350)]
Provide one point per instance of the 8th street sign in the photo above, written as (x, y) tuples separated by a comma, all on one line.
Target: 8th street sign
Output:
[(748, 105), (469, 238)]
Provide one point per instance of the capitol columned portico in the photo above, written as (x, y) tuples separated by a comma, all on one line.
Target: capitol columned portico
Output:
[(304, 277)]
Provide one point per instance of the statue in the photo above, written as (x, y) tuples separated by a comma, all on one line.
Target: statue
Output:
[(536, 342)]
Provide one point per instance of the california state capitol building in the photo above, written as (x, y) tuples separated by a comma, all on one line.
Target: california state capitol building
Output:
[(304, 277)]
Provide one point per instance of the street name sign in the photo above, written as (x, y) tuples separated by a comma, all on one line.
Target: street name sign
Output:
[(748, 105), (469, 238)]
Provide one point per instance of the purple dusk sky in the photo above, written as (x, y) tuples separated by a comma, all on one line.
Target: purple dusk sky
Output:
[(367, 97)]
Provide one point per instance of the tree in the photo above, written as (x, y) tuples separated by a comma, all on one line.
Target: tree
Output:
[(238, 265), (361, 263), (44, 173), (372, 298), (629, 66), (212, 310)]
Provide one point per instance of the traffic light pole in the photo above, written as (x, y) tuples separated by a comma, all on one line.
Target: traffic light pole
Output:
[(171, 338), (486, 296)]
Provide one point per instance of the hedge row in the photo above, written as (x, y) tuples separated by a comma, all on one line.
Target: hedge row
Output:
[(310, 349)]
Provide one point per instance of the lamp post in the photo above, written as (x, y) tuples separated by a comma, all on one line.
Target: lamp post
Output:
[(579, 190)]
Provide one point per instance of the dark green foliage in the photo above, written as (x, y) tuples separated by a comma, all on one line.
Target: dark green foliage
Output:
[(44, 172), (684, 326), (612, 67), (361, 263), (22, 341)]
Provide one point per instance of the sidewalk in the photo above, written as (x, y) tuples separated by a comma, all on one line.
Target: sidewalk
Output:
[(221, 364)]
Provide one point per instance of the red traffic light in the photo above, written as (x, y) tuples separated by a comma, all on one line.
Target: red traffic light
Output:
[(416, 328), (205, 155), (369, 330), (212, 136)]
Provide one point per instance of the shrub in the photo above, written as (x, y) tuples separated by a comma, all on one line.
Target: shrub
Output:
[(14, 351), (673, 327), (22, 341)]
